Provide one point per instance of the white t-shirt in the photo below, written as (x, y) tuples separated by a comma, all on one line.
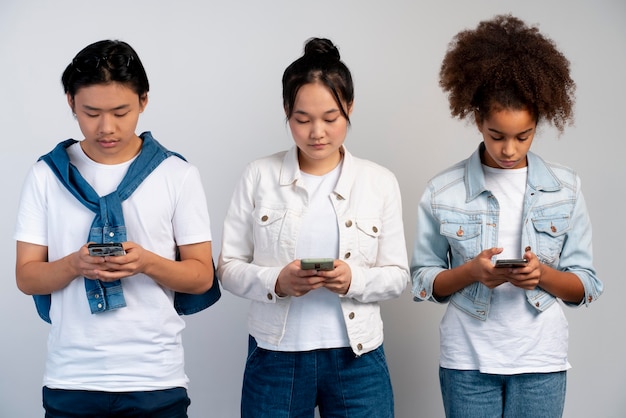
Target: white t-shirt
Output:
[(315, 320), (137, 347), (515, 338)]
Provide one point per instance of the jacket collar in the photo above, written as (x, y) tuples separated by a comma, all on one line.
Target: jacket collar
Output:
[(540, 176), (290, 171)]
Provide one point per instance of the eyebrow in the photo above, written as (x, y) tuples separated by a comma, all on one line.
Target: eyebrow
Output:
[(302, 112), (517, 134), (121, 107)]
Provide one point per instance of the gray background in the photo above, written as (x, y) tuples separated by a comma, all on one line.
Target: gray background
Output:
[(215, 69)]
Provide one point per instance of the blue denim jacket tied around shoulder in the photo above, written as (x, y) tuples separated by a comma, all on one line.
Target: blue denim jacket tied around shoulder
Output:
[(108, 224), (556, 227)]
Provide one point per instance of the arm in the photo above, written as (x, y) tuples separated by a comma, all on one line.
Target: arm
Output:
[(430, 252), (36, 276), (573, 279), (388, 277), (192, 274), (479, 269), (238, 274)]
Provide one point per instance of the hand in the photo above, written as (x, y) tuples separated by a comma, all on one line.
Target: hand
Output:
[(527, 277), (483, 271), (293, 281), (339, 279), (111, 268)]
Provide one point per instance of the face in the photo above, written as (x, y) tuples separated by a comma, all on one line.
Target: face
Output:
[(107, 115), (508, 135), (318, 128)]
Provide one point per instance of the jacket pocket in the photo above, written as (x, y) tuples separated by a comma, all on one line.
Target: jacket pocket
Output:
[(551, 232), (464, 238), (267, 226), (368, 233)]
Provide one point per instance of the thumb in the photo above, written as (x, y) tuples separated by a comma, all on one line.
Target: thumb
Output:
[(491, 252)]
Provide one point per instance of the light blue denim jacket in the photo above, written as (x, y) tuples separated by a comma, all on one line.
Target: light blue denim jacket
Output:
[(458, 218)]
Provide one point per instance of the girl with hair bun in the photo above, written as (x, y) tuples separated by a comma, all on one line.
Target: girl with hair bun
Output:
[(316, 332), (504, 336)]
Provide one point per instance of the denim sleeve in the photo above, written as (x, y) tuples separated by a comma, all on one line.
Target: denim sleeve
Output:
[(430, 252), (576, 255)]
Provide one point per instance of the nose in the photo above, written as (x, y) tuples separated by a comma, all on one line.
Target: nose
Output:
[(317, 130), (508, 148), (106, 124)]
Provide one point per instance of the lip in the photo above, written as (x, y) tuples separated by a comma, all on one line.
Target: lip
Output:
[(507, 163), (107, 143)]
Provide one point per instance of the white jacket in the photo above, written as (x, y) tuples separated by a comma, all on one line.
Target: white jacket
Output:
[(261, 230)]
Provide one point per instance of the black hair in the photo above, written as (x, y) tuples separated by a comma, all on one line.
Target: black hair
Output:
[(106, 62), (321, 63), (504, 63)]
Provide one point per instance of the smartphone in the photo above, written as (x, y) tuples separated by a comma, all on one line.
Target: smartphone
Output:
[(317, 264), (106, 249), (512, 262)]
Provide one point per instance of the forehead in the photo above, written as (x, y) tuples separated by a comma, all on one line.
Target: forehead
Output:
[(510, 120), (105, 95), (315, 97)]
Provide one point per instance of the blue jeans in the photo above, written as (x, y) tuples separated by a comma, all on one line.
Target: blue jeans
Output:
[(168, 403), (471, 394), (291, 384)]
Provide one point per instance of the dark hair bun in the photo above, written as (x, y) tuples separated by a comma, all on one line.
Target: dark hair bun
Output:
[(321, 48)]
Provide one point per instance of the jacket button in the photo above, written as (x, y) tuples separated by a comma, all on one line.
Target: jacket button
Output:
[(460, 232), (351, 315), (269, 296), (348, 223), (359, 346), (264, 218), (423, 294), (527, 249), (347, 255), (537, 304), (374, 229), (99, 306)]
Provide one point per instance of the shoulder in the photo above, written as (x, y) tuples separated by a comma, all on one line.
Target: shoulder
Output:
[(41, 172), (565, 175), (370, 169), (267, 164), (453, 174), (270, 160)]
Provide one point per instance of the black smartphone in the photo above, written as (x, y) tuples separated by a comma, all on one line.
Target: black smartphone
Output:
[(512, 262), (106, 249), (317, 264)]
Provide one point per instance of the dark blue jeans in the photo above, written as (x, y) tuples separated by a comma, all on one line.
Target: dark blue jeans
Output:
[(291, 384), (168, 403), (471, 394)]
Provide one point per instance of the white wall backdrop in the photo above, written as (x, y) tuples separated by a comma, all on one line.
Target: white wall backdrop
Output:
[(215, 70)]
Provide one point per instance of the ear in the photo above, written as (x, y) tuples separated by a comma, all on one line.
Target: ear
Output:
[(478, 120), (350, 107), (70, 102), (143, 102)]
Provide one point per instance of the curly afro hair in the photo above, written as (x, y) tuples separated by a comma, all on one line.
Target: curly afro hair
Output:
[(505, 64)]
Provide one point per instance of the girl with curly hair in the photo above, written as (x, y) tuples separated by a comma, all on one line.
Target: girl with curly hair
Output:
[(504, 336)]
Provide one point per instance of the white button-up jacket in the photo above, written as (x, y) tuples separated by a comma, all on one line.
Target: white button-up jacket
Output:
[(261, 230)]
